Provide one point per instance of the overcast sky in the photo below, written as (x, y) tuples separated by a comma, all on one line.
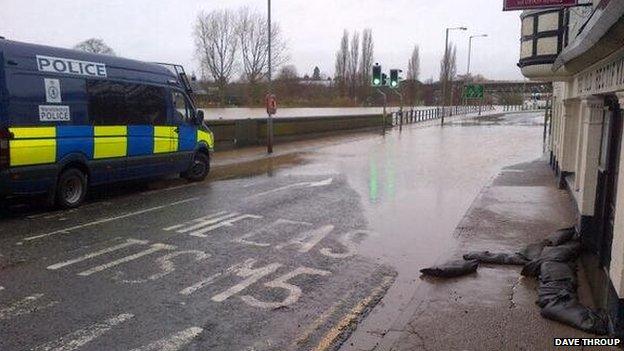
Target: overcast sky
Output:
[(161, 30)]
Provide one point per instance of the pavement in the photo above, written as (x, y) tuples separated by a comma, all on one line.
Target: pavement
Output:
[(317, 247), (495, 308)]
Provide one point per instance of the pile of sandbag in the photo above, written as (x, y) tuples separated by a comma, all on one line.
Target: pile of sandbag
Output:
[(553, 262)]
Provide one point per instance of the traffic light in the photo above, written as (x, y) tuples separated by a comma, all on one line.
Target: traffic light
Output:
[(376, 75), (384, 79), (394, 78)]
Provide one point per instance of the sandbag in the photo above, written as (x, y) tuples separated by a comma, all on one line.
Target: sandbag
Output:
[(452, 269), (532, 251), (496, 258), (558, 290), (559, 237), (574, 314), (562, 253), (554, 271)]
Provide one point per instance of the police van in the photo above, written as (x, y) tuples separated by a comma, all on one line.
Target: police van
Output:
[(71, 119)]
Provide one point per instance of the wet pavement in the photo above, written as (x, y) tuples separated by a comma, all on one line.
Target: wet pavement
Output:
[(289, 252)]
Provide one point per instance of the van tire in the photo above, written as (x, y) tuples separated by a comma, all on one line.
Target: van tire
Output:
[(71, 188), (199, 169)]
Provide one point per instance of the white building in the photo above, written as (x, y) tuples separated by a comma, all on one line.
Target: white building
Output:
[(581, 49)]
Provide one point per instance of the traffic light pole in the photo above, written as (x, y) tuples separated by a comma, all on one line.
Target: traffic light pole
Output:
[(401, 108), (385, 103)]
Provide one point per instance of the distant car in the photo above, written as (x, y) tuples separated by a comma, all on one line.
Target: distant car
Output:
[(71, 119)]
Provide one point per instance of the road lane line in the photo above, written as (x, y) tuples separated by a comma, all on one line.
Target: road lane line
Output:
[(204, 282), (128, 243), (205, 223), (200, 284), (174, 342), (332, 335), (316, 324), (26, 305), (106, 220), (226, 223), (324, 182), (81, 337), (177, 226), (153, 249)]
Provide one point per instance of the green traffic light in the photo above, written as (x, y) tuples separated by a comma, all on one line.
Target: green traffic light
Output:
[(376, 81), (393, 83)]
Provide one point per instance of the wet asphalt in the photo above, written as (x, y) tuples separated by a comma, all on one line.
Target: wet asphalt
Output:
[(316, 250)]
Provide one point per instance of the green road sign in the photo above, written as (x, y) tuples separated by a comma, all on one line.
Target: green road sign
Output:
[(473, 91)]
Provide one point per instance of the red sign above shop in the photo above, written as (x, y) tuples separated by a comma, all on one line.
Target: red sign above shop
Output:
[(513, 5)]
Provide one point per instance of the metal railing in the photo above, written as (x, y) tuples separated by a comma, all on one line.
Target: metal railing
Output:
[(412, 115)]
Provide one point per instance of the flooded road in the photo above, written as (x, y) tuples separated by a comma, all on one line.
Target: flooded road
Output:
[(290, 258)]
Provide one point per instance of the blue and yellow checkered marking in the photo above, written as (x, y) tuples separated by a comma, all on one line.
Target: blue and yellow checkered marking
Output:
[(33, 146), (46, 145)]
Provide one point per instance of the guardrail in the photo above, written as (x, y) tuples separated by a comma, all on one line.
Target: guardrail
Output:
[(412, 115)]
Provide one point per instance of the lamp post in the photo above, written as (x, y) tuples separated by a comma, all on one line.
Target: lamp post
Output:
[(470, 49), (446, 61), (270, 117)]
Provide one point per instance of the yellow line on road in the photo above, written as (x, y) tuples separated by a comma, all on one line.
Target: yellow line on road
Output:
[(351, 317)]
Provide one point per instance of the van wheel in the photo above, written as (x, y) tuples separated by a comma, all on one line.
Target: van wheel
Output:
[(199, 168), (71, 189)]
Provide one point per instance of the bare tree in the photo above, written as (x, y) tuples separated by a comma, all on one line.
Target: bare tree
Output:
[(366, 61), (353, 64), (448, 71), (413, 73), (94, 45), (342, 58), (216, 45), (253, 40), (413, 66)]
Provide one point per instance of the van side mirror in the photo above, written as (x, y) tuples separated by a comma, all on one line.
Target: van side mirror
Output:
[(199, 117)]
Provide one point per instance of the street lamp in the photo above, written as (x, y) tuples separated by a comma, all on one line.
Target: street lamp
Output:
[(446, 60), (470, 49), (270, 117)]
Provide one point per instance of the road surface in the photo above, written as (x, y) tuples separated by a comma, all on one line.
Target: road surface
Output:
[(293, 258)]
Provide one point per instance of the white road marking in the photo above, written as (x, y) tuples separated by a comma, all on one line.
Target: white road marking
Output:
[(167, 266), (208, 222), (324, 182), (200, 285), (26, 305), (226, 223), (174, 342), (1, 288), (106, 220), (349, 241), (252, 275), (271, 229), (177, 226), (155, 248), (205, 282), (294, 292), (129, 242), (307, 240), (81, 337)]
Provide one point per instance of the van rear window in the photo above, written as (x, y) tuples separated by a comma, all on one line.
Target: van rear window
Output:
[(115, 103)]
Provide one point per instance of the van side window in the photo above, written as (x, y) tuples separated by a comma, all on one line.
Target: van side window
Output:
[(182, 110), (115, 103)]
